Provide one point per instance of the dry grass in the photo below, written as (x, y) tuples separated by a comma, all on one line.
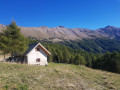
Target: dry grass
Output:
[(56, 77)]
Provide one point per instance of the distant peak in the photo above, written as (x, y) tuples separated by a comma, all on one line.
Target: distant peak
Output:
[(61, 26), (43, 27), (110, 26)]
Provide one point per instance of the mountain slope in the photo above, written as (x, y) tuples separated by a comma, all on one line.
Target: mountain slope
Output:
[(110, 31), (56, 77), (62, 34), (100, 40), (55, 34), (98, 45)]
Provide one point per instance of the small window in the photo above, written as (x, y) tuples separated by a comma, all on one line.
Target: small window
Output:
[(37, 49), (38, 60)]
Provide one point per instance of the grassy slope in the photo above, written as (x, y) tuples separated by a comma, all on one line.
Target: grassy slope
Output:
[(55, 77)]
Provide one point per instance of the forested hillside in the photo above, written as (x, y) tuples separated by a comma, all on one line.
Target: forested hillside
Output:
[(63, 54), (98, 45), (108, 61)]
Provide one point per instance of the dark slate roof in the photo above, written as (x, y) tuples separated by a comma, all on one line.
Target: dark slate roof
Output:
[(31, 46)]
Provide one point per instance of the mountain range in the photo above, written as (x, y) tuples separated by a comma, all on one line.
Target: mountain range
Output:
[(61, 33), (97, 41)]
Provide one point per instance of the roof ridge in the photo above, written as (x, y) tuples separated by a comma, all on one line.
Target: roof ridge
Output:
[(32, 46)]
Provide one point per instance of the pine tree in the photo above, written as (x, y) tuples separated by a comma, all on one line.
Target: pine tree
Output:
[(66, 55), (82, 60), (12, 41), (79, 60)]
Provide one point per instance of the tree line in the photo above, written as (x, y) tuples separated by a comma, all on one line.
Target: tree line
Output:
[(63, 54), (109, 62)]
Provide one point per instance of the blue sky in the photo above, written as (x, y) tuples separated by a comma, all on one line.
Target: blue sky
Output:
[(91, 14)]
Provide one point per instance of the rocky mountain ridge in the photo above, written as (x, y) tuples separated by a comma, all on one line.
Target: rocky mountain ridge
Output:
[(61, 33)]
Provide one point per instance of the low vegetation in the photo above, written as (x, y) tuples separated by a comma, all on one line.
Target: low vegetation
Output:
[(55, 77)]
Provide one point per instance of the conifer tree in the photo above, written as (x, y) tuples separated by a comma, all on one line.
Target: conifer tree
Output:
[(79, 60), (66, 55), (12, 41)]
